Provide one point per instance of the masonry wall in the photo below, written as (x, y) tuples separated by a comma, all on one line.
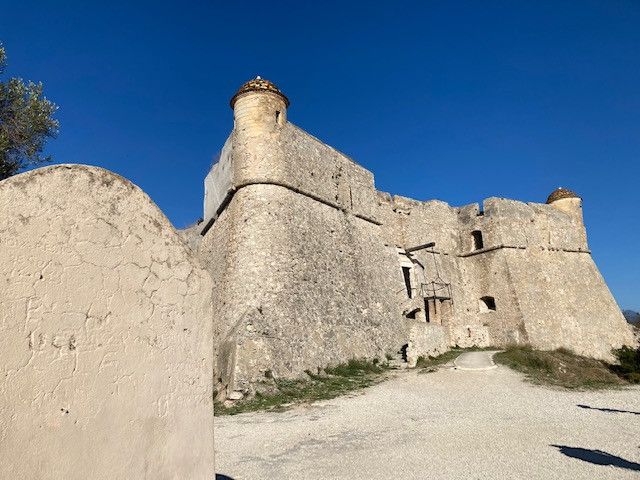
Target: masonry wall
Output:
[(409, 223), (534, 263), (300, 271), (566, 303), (106, 357), (308, 258), (300, 293)]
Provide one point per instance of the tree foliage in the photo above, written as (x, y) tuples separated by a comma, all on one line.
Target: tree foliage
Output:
[(26, 122)]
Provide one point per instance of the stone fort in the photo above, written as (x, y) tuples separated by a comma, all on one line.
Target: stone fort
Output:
[(312, 265), (117, 330)]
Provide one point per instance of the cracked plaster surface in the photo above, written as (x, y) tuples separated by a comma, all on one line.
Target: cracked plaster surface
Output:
[(106, 338)]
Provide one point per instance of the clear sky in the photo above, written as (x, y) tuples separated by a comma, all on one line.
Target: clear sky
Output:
[(455, 100)]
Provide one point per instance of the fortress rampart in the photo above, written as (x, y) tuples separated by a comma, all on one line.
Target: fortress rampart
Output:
[(314, 266)]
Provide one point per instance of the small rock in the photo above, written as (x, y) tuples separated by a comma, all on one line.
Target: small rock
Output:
[(235, 395)]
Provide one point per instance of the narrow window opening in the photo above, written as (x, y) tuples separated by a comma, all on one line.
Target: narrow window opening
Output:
[(427, 315), (278, 117), (406, 273), (478, 243), (487, 304)]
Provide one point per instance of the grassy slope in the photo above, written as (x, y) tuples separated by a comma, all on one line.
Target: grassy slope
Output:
[(560, 368), (430, 363), (339, 380)]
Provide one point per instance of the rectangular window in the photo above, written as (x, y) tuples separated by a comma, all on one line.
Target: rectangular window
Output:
[(478, 243)]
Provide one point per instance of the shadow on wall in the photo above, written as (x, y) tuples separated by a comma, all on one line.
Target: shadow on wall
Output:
[(597, 457), (608, 410)]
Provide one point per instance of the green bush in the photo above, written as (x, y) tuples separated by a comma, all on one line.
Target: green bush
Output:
[(629, 367)]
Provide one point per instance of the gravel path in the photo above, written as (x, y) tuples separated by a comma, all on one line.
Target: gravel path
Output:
[(451, 424), (476, 360)]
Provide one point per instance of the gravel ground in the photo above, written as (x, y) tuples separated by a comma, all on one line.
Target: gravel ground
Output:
[(450, 424)]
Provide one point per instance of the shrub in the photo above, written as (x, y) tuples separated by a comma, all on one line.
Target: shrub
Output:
[(629, 367)]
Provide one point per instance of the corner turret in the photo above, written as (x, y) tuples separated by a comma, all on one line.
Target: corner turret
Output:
[(566, 200), (259, 104)]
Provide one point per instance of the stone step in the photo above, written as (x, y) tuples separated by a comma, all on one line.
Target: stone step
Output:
[(398, 363)]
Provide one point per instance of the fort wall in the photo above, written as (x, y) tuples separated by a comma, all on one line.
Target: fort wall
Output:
[(307, 284), (314, 266)]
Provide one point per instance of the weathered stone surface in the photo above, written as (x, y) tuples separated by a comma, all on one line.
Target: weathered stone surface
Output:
[(295, 292), (105, 334), (312, 265), (535, 264), (425, 340)]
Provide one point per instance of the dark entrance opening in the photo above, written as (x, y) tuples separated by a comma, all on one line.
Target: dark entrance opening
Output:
[(403, 352)]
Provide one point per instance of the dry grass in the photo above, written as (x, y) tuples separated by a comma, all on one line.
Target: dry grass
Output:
[(430, 364), (335, 381), (560, 368)]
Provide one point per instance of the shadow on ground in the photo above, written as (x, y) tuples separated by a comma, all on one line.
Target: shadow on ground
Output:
[(220, 476), (597, 457), (608, 410)]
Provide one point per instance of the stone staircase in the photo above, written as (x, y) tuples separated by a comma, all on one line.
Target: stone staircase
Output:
[(397, 362)]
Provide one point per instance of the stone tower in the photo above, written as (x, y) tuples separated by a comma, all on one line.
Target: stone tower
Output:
[(292, 242), (570, 202), (567, 201), (259, 104)]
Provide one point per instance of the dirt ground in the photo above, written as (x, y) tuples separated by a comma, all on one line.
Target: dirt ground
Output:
[(451, 424)]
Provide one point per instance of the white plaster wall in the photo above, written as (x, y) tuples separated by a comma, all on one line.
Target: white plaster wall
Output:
[(105, 334)]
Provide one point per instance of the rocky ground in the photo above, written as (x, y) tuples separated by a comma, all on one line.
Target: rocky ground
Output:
[(450, 424)]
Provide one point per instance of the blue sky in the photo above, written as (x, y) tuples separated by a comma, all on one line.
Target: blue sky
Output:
[(513, 98)]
